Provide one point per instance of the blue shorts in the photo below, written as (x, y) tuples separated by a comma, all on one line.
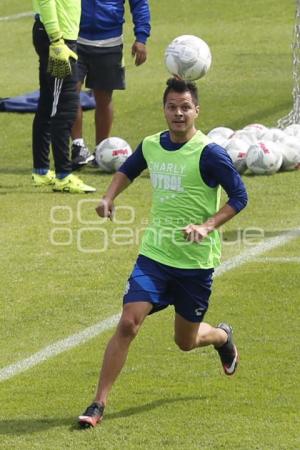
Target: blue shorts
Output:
[(187, 289)]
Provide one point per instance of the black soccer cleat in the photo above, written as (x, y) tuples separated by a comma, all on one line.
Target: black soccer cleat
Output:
[(80, 156), (91, 416), (228, 352)]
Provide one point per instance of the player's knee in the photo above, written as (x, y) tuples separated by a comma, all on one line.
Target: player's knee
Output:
[(128, 327), (183, 344)]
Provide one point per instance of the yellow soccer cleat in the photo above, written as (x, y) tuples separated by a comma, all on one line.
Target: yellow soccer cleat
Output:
[(72, 184), (43, 180)]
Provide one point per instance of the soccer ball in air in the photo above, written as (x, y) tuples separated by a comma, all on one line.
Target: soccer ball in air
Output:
[(264, 158), (111, 153), (188, 57)]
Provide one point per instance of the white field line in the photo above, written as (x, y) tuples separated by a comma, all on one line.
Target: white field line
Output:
[(59, 347), (253, 252), (278, 259), (16, 16), (83, 336)]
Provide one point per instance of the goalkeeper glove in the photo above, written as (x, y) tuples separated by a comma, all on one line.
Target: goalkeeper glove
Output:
[(59, 59)]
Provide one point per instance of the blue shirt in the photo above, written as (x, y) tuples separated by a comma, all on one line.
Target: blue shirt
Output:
[(101, 20), (215, 165)]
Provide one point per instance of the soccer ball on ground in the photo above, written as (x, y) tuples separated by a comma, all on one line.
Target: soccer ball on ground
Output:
[(273, 134), (247, 136), (264, 158), (237, 149), (293, 130), (220, 135), (290, 153), (111, 153), (188, 57), (257, 129)]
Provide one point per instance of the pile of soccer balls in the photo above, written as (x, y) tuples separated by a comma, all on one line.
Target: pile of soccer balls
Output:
[(262, 150)]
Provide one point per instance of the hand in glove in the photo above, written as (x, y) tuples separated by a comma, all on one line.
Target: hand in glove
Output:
[(59, 65)]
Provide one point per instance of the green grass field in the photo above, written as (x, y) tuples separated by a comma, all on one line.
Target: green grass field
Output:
[(56, 281)]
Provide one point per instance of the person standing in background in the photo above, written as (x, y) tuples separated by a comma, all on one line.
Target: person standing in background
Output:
[(101, 62), (55, 32)]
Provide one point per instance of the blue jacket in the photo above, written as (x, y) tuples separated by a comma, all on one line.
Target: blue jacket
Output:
[(103, 19)]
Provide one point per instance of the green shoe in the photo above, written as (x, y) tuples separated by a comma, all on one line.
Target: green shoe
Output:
[(72, 184), (43, 180)]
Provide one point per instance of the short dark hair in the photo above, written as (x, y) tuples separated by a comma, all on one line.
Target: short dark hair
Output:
[(174, 84)]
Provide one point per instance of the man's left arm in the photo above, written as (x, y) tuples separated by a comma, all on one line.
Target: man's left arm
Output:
[(140, 12), (196, 233), (216, 168)]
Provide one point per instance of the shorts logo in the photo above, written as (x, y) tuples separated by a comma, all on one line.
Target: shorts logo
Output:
[(127, 288), (199, 311)]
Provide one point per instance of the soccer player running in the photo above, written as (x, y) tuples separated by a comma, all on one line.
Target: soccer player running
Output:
[(54, 37), (181, 245)]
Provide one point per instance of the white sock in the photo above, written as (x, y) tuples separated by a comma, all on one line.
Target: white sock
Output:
[(79, 141)]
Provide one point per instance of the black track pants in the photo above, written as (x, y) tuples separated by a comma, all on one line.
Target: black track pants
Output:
[(56, 110)]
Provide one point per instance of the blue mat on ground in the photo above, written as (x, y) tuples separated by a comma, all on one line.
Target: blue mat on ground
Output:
[(28, 102)]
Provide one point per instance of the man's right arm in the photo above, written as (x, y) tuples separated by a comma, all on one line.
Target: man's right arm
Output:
[(129, 170), (135, 164), (48, 13), (106, 206), (59, 65)]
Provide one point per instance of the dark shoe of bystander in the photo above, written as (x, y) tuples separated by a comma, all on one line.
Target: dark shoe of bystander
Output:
[(80, 156)]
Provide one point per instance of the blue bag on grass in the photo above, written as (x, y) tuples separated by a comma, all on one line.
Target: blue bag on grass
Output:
[(28, 102)]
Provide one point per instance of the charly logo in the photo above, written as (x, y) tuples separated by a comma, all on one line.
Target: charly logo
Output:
[(166, 176)]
